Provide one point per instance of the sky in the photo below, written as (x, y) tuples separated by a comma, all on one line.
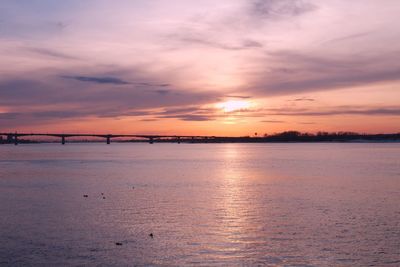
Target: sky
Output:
[(227, 67)]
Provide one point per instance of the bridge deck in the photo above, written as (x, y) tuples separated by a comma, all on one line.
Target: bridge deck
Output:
[(151, 137)]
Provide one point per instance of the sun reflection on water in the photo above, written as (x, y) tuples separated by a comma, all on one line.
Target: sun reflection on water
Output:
[(233, 207)]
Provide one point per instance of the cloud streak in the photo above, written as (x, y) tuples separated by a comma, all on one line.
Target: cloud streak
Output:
[(50, 53), (101, 80), (189, 38), (278, 9), (373, 111)]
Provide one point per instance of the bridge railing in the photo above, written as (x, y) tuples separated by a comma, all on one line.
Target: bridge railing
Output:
[(14, 137)]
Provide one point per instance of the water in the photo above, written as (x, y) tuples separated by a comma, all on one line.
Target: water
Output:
[(206, 204)]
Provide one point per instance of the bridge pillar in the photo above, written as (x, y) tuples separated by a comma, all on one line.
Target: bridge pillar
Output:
[(15, 139), (108, 140), (179, 139), (151, 141), (192, 141), (63, 140)]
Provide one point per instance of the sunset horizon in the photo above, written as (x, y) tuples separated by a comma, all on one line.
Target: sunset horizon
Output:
[(226, 68)]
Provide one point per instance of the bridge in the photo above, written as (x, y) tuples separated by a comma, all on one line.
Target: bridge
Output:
[(13, 137)]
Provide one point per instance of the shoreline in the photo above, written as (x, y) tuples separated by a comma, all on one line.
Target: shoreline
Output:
[(24, 142)]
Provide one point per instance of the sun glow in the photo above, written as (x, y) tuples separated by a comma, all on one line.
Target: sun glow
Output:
[(234, 105)]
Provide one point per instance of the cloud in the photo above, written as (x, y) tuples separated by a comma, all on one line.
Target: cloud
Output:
[(49, 53), (191, 37), (303, 99), (313, 72), (32, 100), (103, 80), (188, 117), (180, 110), (103, 89), (273, 121), (8, 115), (188, 113), (199, 113), (162, 91), (368, 111), (152, 84), (277, 9), (348, 37), (238, 96), (307, 123), (24, 92), (117, 81)]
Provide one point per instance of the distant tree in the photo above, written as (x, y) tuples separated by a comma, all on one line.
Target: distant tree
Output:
[(290, 134), (322, 134)]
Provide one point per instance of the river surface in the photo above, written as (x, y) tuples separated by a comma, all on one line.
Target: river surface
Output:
[(206, 204)]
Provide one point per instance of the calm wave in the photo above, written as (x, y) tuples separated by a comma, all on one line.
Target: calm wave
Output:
[(205, 204)]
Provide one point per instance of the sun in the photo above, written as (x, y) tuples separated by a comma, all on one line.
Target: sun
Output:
[(233, 105)]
